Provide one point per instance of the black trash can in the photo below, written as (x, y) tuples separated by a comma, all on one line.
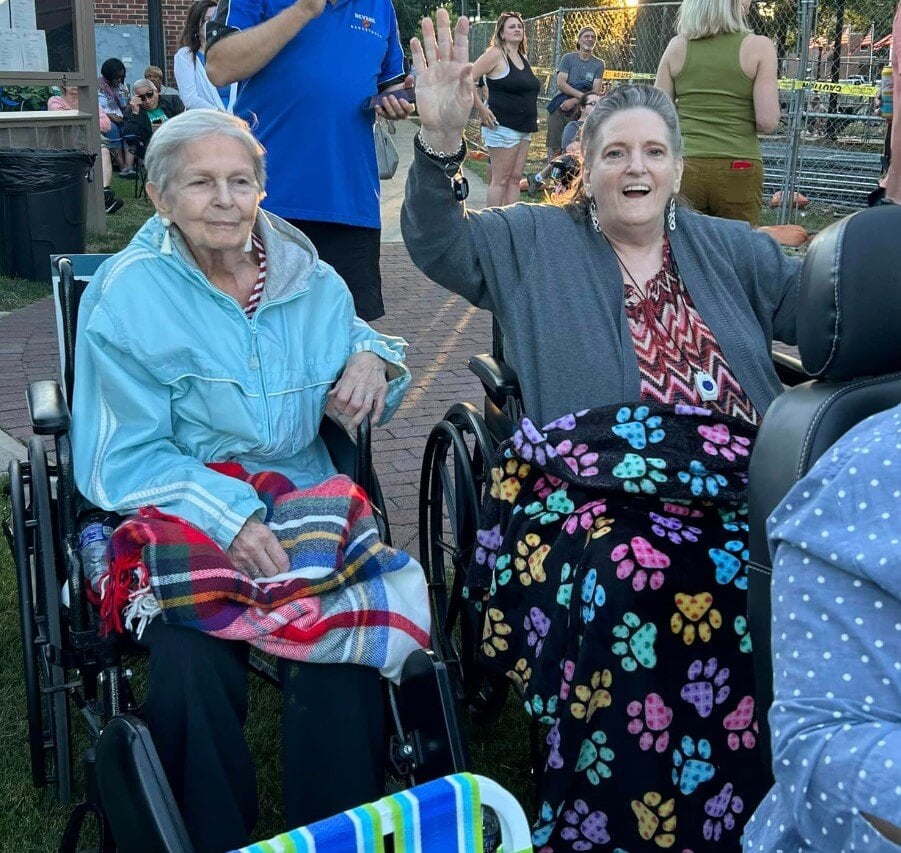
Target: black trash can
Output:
[(43, 207)]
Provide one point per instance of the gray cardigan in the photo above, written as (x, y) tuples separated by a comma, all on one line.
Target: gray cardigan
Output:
[(556, 290)]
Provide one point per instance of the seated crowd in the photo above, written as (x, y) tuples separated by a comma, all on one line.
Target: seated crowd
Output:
[(611, 565)]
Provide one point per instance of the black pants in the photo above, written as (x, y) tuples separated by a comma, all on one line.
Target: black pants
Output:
[(332, 735), (354, 252)]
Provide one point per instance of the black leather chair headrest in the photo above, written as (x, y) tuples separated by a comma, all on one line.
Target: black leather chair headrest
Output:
[(849, 308)]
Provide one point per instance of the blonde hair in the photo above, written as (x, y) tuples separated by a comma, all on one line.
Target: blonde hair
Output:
[(497, 41), (700, 19)]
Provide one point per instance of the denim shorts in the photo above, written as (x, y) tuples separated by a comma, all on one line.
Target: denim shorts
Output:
[(503, 137), (113, 137)]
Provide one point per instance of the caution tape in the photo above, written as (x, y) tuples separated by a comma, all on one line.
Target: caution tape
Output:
[(613, 74), (854, 89), (832, 88)]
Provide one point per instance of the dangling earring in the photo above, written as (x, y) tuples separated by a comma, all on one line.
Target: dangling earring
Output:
[(593, 213), (248, 243), (166, 245), (671, 214)]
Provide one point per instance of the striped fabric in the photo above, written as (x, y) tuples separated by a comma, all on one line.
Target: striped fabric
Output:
[(443, 816), (672, 342), (359, 829), (256, 294)]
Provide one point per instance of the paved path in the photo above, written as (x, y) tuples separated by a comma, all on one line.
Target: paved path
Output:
[(442, 329)]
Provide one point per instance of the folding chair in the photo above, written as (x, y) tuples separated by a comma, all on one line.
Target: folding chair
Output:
[(443, 815)]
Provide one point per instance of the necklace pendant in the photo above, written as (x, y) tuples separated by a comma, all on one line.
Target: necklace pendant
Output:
[(706, 386)]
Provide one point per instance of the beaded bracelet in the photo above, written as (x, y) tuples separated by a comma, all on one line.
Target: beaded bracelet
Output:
[(440, 156), (451, 164)]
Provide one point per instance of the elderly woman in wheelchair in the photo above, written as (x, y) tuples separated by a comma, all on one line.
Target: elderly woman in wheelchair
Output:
[(208, 351), (609, 560)]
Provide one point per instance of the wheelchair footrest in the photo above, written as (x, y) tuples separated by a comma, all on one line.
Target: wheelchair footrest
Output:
[(428, 713), (134, 792)]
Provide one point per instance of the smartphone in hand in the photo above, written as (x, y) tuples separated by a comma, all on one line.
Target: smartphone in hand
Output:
[(400, 94)]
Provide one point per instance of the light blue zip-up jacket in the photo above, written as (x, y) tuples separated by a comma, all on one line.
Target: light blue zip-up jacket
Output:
[(170, 374)]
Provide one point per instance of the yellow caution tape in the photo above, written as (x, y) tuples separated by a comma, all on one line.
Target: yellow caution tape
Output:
[(612, 74), (832, 88), (829, 88)]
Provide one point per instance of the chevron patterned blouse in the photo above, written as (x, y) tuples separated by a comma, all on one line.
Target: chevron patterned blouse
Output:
[(673, 343)]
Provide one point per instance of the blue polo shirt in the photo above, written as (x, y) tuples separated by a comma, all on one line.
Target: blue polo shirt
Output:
[(306, 106)]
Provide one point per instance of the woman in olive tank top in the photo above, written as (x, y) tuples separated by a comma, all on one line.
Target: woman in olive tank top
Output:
[(723, 79)]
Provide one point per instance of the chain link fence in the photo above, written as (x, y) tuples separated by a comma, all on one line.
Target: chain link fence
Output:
[(829, 144)]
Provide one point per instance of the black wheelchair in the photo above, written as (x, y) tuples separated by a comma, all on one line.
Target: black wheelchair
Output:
[(455, 469), (849, 297), (69, 667)]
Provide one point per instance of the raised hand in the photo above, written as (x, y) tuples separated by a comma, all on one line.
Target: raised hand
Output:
[(444, 87)]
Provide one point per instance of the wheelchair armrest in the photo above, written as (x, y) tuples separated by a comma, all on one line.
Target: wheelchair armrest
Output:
[(363, 457), (351, 458), (789, 369), (47, 407), (499, 379)]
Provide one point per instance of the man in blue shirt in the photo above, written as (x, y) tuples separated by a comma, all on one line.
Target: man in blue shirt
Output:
[(307, 67)]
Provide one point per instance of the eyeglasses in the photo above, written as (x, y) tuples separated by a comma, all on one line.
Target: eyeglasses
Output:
[(146, 96)]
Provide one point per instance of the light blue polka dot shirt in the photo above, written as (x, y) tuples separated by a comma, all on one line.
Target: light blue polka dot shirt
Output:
[(836, 717)]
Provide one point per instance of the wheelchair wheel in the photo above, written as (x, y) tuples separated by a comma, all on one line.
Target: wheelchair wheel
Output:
[(41, 623), (454, 469)]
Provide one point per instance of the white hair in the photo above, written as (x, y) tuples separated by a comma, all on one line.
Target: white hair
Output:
[(163, 158)]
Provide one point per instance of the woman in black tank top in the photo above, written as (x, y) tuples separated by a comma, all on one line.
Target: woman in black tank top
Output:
[(510, 115)]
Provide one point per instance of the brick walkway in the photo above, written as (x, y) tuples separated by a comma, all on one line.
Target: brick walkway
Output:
[(443, 332), (28, 351)]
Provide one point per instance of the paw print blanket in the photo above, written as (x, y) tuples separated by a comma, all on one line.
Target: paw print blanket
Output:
[(612, 558), (348, 597)]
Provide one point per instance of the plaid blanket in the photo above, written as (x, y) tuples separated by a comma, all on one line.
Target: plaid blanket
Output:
[(347, 597)]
